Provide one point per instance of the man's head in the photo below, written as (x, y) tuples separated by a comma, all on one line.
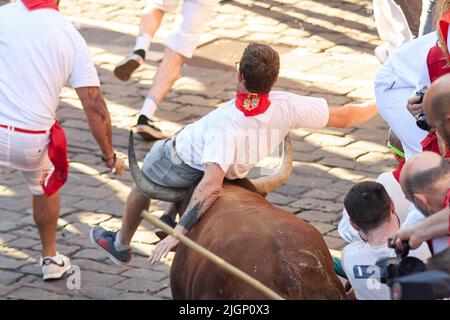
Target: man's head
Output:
[(369, 206), (259, 68), (425, 179), (437, 106), (395, 146)]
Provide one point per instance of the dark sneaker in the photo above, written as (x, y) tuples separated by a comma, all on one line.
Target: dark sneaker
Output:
[(167, 220), (148, 130), (104, 240), (125, 68)]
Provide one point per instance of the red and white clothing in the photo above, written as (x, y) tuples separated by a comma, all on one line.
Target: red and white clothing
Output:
[(395, 83), (237, 143), (190, 22), (40, 51), (390, 181)]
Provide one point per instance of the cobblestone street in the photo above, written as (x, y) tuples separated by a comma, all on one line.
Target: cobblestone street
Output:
[(326, 50)]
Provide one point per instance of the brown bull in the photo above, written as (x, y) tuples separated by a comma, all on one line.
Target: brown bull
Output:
[(268, 243)]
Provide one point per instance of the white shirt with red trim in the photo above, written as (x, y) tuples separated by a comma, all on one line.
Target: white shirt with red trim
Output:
[(40, 51), (237, 143)]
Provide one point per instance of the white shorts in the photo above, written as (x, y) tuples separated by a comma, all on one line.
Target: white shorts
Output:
[(28, 154), (189, 23)]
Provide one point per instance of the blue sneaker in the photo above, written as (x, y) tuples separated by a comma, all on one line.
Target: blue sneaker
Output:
[(104, 240)]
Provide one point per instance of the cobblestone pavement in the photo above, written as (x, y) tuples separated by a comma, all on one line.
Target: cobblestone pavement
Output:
[(326, 50)]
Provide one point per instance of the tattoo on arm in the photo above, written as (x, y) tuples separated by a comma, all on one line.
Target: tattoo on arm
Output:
[(191, 216)]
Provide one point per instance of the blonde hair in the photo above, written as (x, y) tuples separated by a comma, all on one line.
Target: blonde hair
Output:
[(442, 7)]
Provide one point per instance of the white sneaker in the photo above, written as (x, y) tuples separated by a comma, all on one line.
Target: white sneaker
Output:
[(54, 267)]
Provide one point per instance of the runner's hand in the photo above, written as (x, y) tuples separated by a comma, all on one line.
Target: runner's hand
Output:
[(116, 165), (414, 106)]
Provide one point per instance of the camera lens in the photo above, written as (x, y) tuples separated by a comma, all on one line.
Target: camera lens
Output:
[(422, 122)]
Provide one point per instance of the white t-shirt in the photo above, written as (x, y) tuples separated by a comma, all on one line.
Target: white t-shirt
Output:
[(394, 190), (362, 253), (406, 61), (40, 51), (414, 216), (237, 143)]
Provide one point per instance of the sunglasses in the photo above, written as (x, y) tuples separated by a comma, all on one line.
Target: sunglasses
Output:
[(395, 150)]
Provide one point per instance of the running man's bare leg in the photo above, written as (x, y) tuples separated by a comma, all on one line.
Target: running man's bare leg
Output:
[(46, 214)]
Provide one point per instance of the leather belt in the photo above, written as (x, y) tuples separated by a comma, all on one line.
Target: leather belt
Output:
[(23, 130)]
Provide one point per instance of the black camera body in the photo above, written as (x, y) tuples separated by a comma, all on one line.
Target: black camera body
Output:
[(422, 119), (406, 276), (388, 269)]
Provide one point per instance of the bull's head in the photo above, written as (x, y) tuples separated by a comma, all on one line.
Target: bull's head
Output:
[(263, 185)]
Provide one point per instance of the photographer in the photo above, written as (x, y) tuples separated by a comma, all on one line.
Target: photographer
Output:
[(372, 213), (425, 181)]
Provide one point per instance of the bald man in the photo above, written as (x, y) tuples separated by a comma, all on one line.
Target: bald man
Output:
[(425, 181), (437, 109)]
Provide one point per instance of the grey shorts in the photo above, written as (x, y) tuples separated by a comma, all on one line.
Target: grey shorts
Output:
[(164, 167)]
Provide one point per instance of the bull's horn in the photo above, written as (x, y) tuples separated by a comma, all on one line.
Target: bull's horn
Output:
[(151, 189), (270, 183)]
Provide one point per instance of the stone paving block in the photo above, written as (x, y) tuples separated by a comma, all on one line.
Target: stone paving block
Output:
[(7, 262), (140, 285), (335, 243), (323, 227), (92, 254), (142, 273), (317, 204), (322, 140), (27, 293), (90, 279), (316, 216), (9, 277), (321, 194), (6, 237), (279, 199), (310, 182)]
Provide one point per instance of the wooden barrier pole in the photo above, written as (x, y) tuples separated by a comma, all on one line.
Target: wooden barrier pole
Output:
[(211, 256)]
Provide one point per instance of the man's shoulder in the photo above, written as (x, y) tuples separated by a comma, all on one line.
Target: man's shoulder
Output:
[(354, 249)]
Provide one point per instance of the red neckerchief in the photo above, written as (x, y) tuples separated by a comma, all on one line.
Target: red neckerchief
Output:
[(443, 26), (397, 171), (430, 143), (252, 104), (57, 152), (40, 4)]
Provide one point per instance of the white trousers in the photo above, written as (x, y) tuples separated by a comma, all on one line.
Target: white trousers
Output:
[(28, 154), (392, 95), (391, 24), (189, 23)]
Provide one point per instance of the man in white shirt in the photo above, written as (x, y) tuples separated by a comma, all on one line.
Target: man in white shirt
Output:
[(395, 83), (425, 180), (39, 52), (181, 42), (226, 143), (391, 182), (372, 213)]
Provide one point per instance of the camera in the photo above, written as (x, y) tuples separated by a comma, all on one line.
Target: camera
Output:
[(406, 276), (388, 269), (422, 119)]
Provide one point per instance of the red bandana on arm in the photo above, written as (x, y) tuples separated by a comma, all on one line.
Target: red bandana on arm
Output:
[(40, 4), (252, 104)]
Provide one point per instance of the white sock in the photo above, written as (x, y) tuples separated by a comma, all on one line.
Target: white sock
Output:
[(118, 245), (143, 42), (149, 107)]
